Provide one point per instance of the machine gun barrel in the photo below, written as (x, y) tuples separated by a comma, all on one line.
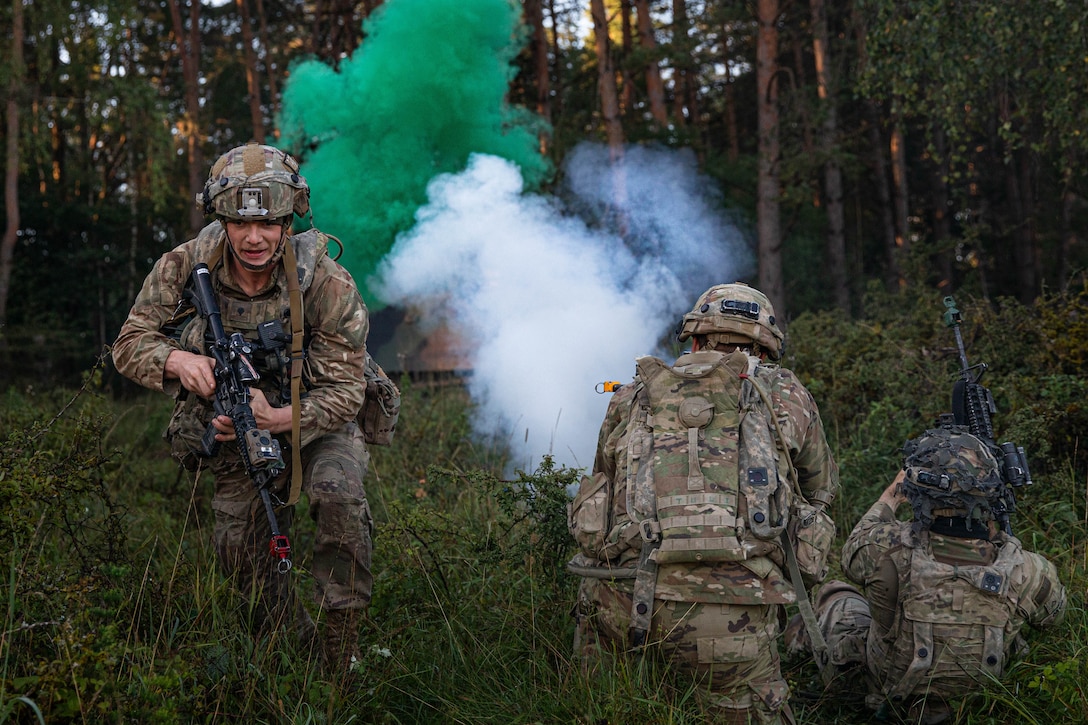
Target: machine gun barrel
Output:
[(973, 407)]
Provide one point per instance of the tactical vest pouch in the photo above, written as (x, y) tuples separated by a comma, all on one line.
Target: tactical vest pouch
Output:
[(184, 431), (812, 532), (587, 514), (766, 495), (381, 406)]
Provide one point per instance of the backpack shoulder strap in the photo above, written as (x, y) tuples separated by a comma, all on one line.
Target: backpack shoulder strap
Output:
[(642, 506), (804, 604)]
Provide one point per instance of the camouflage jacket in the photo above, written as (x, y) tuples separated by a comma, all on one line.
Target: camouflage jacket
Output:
[(969, 597), (335, 333), (758, 581)]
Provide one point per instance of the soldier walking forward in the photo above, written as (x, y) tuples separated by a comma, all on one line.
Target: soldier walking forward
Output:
[(303, 318)]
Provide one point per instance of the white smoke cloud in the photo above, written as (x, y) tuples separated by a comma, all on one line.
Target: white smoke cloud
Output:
[(550, 307)]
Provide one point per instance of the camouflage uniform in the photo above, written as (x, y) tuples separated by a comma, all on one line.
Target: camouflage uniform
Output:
[(941, 613), (334, 456), (719, 621)]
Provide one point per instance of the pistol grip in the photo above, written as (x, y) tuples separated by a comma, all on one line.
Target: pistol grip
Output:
[(209, 446)]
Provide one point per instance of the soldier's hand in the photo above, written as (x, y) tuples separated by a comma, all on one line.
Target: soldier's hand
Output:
[(893, 494), (196, 373), (274, 420), (225, 426)]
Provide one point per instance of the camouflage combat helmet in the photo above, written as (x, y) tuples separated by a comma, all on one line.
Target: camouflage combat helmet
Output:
[(255, 183), (950, 472), (734, 313)]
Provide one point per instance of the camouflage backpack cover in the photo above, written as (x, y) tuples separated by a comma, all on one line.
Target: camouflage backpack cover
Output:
[(696, 490), (706, 475), (953, 625)]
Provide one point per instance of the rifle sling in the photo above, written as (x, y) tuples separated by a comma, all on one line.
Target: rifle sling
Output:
[(295, 294)]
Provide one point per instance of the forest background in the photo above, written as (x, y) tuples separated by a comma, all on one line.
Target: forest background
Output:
[(870, 157)]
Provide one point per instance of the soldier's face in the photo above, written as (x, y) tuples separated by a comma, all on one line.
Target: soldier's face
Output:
[(254, 242)]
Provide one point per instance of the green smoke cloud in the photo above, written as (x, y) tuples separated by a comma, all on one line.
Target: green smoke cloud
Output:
[(425, 90)]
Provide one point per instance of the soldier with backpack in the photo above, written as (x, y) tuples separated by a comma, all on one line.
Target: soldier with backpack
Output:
[(305, 327), (705, 513), (946, 594)]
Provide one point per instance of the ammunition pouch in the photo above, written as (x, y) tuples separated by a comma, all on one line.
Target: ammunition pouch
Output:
[(812, 533), (378, 417)]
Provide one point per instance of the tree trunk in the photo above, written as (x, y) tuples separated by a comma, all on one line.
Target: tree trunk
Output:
[(269, 68), (1070, 237), (655, 89), (1025, 234), (942, 225), (606, 82), (799, 98), (610, 111), (627, 87), (11, 160), (872, 113), (557, 106), (829, 131), (902, 199), (768, 222), (253, 86), (879, 166), (189, 50), (534, 16), (685, 97), (731, 130)]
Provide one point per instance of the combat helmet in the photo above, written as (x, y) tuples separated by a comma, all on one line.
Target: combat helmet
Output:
[(734, 313), (951, 473), (255, 182)]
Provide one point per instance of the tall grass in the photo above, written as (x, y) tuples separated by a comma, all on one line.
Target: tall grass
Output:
[(114, 609)]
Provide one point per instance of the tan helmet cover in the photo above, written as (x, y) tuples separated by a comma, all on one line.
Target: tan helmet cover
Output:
[(734, 313), (255, 183)]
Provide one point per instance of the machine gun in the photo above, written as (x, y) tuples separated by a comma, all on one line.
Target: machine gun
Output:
[(234, 373), (973, 407)]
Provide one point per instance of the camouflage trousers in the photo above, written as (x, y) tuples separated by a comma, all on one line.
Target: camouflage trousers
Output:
[(729, 650), (844, 618), (333, 467)]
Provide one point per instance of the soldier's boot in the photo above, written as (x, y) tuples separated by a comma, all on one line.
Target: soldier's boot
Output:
[(340, 641)]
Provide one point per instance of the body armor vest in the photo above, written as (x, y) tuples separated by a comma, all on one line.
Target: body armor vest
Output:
[(264, 322), (953, 625)]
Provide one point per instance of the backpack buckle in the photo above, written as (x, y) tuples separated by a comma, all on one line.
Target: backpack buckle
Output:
[(650, 530)]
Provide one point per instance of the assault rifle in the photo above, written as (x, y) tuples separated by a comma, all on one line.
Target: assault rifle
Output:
[(973, 407), (234, 373)]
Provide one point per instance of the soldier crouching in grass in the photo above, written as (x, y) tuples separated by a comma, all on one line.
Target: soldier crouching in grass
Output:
[(946, 594), (709, 474)]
